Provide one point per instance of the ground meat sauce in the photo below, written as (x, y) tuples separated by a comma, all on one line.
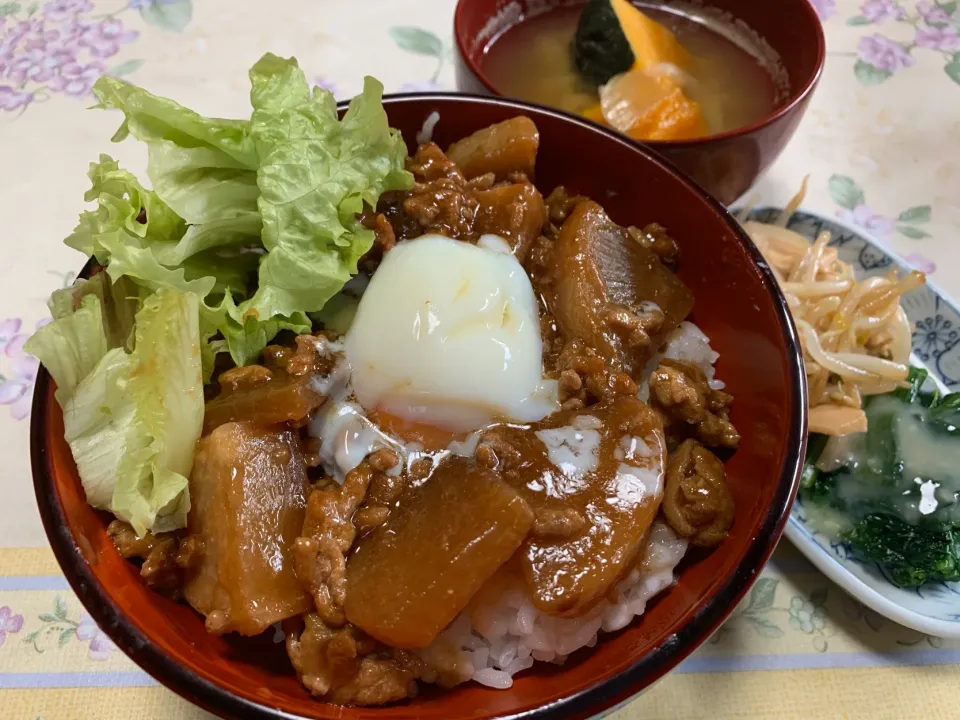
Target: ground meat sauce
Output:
[(349, 564)]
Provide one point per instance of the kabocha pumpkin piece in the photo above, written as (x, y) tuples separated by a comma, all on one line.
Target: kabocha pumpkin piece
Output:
[(614, 37)]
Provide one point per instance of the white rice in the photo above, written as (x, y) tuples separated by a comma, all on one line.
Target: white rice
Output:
[(426, 131), (689, 344), (507, 638)]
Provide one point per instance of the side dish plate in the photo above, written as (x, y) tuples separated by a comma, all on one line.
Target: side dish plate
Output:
[(933, 608)]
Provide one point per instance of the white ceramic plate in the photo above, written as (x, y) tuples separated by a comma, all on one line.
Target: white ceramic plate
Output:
[(933, 608)]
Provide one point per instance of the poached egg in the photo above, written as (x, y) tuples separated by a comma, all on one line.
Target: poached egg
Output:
[(447, 334)]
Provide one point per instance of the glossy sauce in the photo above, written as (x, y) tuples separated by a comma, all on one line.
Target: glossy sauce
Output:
[(604, 463), (532, 61)]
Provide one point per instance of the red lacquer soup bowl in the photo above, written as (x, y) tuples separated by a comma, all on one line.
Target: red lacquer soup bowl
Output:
[(737, 305), (724, 164)]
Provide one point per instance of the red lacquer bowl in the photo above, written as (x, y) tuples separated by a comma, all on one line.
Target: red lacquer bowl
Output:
[(725, 164), (737, 305)]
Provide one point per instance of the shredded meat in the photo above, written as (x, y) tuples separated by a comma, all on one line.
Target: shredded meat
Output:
[(635, 326), (584, 377), (165, 557), (345, 666), (655, 238), (370, 518), (558, 524), (697, 503), (127, 542), (431, 163), (279, 391), (690, 407), (248, 377), (444, 201), (328, 533), (560, 204)]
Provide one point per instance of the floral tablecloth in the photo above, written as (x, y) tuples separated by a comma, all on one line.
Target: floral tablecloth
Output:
[(881, 144)]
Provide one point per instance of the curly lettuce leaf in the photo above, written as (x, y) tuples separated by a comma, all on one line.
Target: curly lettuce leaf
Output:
[(131, 418), (203, 168), (165, 386), (119, 302), (71, 346), (274, 198), (98, 421), (134, 420), (126, 212), (315, 175)]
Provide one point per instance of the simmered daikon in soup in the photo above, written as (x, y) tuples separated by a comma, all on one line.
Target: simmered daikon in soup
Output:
[(653, 72)]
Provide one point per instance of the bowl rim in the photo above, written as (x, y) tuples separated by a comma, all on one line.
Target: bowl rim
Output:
[(601, 696), (795, 99)]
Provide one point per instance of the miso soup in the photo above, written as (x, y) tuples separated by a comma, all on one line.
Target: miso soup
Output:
[(737, 79)]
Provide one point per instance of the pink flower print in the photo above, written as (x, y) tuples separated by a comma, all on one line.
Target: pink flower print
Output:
[(77, 80), (105, 38), (937, 38), (11, 341), (9, 623), (883, 53), (864, 217), (37, 65), (932, 14), (12, 98), (824, 8), (60, 10), (15, 389), (921, 263), (100, 644), (876, 11)]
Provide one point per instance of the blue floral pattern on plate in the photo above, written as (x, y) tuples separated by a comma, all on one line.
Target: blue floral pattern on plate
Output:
[(935, 319)]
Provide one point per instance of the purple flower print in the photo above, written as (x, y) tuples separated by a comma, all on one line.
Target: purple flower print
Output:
[(936, 38), (864, 217), (37, 65), (26, 31), (77, 80), (9, 623), (100, 644), (921, 263), (328, 85), (876, 11), (105, 38), (13, 99), (824, 8), (15, 389), (60, 10), (11, 339), (883, 53), (932, 14), (425, 86)]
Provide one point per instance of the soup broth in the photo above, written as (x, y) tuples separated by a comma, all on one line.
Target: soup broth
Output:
[(734, 84)]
